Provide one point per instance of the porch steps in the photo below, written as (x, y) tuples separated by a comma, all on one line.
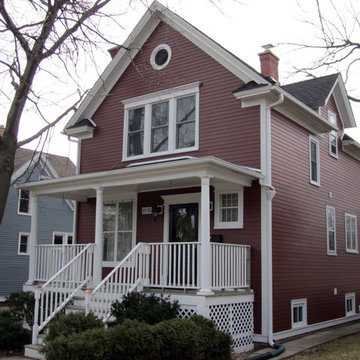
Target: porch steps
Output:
[(77, 305)]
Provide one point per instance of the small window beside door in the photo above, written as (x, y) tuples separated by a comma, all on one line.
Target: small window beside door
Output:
[(63, 238)]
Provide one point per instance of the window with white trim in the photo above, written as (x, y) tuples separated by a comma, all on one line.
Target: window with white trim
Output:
[(350, 304), (118, 230), (331, 230), (62, 238), (229, 209), (24, 202), (333, 144), (298, 313), (160, 57), (351, 233), (24, 241), (162, 123), (314, 154)]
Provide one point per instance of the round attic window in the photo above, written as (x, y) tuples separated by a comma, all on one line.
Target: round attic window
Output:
[(160, 57)]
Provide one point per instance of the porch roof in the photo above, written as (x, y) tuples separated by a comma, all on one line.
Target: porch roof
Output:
[(179, 172)]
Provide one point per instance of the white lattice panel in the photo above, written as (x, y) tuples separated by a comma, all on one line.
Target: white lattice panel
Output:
[(236, 319), (185, 312)]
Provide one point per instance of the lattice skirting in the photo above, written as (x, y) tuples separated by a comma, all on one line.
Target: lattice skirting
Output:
[(232, 314)]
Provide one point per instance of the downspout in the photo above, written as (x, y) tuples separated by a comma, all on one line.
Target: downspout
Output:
[(270, 193)]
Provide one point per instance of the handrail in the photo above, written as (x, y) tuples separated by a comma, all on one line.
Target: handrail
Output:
[(56, 293)]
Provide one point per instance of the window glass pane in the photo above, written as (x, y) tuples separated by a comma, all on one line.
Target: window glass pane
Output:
[(136, 132), (314, 174), (333, 143), (331, 241), (124, 245), (160, 114), (125, 216), (185, 135), (58, 239), (108, 254), (24, 201), (70, 239), (185, 120), (109, 217), (159, 139), (23, 244)]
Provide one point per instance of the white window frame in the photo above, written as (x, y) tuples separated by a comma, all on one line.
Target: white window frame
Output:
[(350, 297), (328, 230), (146, 101), (154, 53), (29, 205), (27, 243), (315, 141), (65, 236), (299, 303), (223, 190), (111, 200), (350, 249), (332, 117), (333, 135)]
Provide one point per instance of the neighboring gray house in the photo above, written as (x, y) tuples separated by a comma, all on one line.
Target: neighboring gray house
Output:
[(55, 217)]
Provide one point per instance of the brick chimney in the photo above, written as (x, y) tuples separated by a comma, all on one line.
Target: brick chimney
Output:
[(2, 130), (269, 63)]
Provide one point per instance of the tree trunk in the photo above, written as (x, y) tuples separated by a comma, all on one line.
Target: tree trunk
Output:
[(7, 156)]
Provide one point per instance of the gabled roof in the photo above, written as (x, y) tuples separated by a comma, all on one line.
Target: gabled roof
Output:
[(316, 93), (153, 16), (54, 165)]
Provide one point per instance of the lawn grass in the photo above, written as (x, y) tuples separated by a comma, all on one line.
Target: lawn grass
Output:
[(347, 348)]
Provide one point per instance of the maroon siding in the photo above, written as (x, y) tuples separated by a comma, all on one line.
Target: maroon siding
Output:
[(226, 131), (302, 268)]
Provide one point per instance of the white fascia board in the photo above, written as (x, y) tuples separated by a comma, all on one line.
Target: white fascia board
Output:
[(210, 47), (343, 104), (191, 168), (136, 40)]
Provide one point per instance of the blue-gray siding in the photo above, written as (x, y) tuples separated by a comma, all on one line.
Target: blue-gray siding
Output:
[(54, 215)]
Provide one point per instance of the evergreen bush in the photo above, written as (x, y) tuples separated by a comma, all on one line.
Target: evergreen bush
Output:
[(21, 306)]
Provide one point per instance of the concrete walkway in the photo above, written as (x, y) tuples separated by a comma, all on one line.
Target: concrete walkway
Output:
[(292, 347), (305, 342)]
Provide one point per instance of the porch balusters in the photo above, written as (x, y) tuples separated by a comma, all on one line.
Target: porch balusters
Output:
[(34, 207)]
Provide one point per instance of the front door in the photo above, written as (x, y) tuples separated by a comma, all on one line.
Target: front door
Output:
[(184, 222)]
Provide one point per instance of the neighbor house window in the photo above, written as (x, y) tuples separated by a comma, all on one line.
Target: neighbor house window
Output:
[(331, 230), (62, 238), (350, 304), (24, 202), (24, 240), (228, 209), (333, 144), (161, 123), (351, 233), (314, 161), (118, 230), (299, 313)]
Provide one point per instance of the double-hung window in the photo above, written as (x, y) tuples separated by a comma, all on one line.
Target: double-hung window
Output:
[(314, 161), (24, 202), (118, 230), (333, 141), (23, 247), (229, 207), (351, 233), (162, 123), (331, 230)]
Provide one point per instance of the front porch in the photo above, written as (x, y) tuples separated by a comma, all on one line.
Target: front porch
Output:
[(209, 278)]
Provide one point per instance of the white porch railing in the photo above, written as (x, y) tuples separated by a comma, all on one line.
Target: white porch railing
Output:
[(49, 259), (56, 293), (230, 266)]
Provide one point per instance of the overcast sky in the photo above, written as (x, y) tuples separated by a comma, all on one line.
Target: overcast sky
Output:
[(242, 27)]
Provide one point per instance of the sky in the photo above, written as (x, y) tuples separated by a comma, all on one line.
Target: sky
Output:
[(240, 26)]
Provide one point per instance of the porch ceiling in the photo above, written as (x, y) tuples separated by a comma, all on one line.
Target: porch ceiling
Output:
[(145, 177)]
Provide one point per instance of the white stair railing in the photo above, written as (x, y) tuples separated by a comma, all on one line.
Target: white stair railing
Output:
[(49, 259), (56, 293), (129, 275)]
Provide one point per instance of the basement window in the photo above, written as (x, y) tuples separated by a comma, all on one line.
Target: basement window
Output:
[(298, 313), (350, 304)]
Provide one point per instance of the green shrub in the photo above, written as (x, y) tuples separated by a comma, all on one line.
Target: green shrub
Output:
[(175, 339), (21, 306), (149, 308), (72, 323), (12, 335)]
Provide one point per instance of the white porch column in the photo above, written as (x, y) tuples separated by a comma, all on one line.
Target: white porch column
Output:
[(34, 207), (98, 235), (205, 250)]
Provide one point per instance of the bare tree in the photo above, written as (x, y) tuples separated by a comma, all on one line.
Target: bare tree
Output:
[(337, 38), (34, 32)]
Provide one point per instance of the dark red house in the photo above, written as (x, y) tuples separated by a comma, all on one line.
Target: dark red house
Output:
[(204, 179)]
